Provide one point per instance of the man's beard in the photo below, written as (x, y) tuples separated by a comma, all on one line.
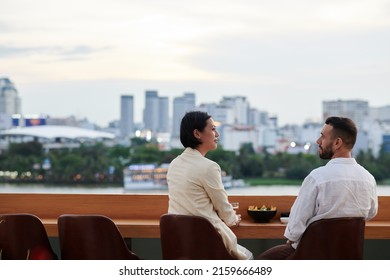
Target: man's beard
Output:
[(326, 152)]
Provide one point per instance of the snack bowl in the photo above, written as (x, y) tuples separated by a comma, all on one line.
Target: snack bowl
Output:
[(261, 215), (284, 217), (284, 220)]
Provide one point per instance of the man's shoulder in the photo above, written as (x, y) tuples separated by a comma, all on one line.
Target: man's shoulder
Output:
[(318, 170)]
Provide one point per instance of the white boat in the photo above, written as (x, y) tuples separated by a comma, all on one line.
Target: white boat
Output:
[(145, 177), (229, 182), (153, 177), (234, 183)]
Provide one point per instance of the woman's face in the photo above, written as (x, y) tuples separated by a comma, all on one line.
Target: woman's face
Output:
[(208, 137)]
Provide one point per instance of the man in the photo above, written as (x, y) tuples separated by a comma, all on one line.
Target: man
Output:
[(341, 188)]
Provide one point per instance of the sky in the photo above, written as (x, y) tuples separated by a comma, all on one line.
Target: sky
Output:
[(287, 57)]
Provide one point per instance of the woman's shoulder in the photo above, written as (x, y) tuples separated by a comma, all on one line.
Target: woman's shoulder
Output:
[(193, 153), (209, 162), (210, 167)]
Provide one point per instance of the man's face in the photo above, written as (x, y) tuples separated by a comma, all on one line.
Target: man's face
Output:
[(325, 142)]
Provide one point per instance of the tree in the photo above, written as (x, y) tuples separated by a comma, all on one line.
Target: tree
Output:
[(27, 149), (226, 160), (95, 163), (148, 153), (251, 164)]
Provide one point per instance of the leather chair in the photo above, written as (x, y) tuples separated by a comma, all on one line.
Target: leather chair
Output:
[(23, 237), (332, 239), (91, 237), (190, 237)]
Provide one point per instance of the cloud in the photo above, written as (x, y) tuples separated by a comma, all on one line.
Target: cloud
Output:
[(293, 56), (303, 49), (7, 51), (78, 52)]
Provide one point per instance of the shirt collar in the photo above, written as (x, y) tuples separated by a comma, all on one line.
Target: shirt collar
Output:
[(192, 151), (342, 161)]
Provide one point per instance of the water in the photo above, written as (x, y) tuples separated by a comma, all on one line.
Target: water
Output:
[(286, 190), (255, 190), (40, 188)]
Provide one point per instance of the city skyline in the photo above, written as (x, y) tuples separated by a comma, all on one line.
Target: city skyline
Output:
[(78, 58)]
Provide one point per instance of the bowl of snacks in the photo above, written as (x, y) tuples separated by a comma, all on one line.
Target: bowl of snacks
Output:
[(261, 214), (284, 220), (284, 217)]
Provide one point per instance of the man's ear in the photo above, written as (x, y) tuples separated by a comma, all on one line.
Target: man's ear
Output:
[(338, 143)]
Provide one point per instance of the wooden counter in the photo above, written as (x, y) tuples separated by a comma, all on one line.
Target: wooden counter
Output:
[(247, 230), (137, 216)]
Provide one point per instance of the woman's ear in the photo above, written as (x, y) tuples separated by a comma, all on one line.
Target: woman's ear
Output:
[(196, 134)]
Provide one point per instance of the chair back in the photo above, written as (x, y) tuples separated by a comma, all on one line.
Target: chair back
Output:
[(23, 237), (91, 237), (191, 238), (332, 239)]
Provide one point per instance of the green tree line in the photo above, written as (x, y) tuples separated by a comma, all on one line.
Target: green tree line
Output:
[(100, 164)]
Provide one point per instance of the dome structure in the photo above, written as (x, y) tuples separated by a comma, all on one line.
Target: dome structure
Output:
[(57, 132), (54, 136)]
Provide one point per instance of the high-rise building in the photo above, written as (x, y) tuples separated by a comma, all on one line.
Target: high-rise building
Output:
[(357, 110), (181, 105), (10, 102), (221, 114), (240, 107), (163, 115), (151, 110), (380, 113), (156, 112), (127, 116), (258, 118)]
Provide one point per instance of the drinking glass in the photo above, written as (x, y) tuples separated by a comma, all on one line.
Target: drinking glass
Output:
[(235, 205)]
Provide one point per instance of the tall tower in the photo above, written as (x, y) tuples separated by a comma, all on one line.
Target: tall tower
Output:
[(156, 112), (127, 116), (181, 105), (163, 114), (10, 102), (151, 110)]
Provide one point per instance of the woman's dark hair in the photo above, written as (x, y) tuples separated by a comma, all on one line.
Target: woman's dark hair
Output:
[(344, 128), (191, 121)]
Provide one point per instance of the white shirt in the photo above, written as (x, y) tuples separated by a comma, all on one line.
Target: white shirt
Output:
[(341, 188)]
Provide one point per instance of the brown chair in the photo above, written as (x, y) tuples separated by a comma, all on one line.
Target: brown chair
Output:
[(332, 239), (91, 237), (189, 237), (23, 237)]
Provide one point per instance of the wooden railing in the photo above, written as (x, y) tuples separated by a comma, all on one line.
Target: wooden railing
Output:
[(137, 215)]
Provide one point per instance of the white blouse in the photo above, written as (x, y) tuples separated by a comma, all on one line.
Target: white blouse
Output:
[(195, 188)]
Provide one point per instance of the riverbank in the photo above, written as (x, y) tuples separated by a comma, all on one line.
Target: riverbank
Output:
[(249, 190), (287, 182), (250, 182), (272, 182)]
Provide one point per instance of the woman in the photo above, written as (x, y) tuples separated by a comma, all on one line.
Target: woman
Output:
[(195, 183)]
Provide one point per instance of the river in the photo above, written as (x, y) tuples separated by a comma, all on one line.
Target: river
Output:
[(254, 190)]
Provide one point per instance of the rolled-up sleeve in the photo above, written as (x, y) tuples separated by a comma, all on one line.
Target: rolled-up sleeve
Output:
[(302, 210)]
